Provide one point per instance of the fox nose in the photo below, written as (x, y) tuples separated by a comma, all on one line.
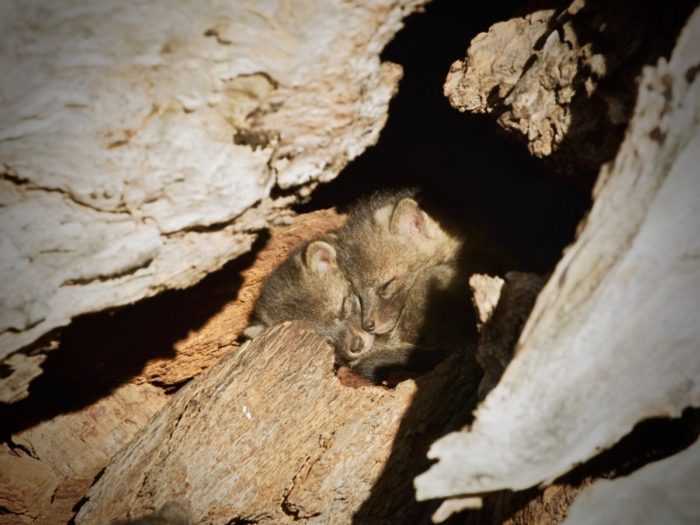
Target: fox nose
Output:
[(368, 324)]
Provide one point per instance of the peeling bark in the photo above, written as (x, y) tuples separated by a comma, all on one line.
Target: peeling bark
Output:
[(613, 336), (140, 143), (564, 80)]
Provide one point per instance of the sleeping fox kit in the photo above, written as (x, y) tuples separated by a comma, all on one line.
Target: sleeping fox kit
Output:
[(310, 287), (385, 290), (435, 321), (386, 243)]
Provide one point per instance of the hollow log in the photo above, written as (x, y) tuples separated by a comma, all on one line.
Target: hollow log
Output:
[(271, 435), (613, 336)]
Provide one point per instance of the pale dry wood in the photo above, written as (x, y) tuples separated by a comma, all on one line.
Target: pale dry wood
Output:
[(486, 291), (662, 492), (613, 337), (140, 143)]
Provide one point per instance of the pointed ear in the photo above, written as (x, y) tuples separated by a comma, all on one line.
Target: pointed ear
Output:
[(408, 219), (319, 257)]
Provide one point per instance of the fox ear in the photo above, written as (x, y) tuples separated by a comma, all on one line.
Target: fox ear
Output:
[(407, 219), (320, 257)]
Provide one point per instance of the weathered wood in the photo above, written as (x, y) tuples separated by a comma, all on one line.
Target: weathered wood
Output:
[(562, 79), (663, 492), (59, 456), (270, 435), (613, 337), (46, 470), (140, 143)]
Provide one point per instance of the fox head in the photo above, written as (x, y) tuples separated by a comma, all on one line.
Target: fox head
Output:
[(309, 286), (384, 247)]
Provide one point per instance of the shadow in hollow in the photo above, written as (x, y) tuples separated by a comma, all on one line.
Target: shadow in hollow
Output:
[(99, 352), (628, 35), (472, 172), (462, 163), (443, 402)]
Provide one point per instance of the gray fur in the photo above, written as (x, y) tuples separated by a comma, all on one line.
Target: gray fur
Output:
[(310, 287), (435, 321), (385, 245), (338, 285)]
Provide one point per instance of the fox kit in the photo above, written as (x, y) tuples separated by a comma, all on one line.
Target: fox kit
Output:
[(309, 286), (386, 243), (436, 320)]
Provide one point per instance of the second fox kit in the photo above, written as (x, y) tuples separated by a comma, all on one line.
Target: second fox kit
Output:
[(403, 266), (435, 321), (385, 245), (309, 286)]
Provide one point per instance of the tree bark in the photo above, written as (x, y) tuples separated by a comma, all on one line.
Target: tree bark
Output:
[(45, 470), (144, 145), (563, 80), (613, 337), (270, 435)]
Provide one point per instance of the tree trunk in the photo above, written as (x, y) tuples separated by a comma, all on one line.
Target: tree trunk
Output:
[(270, 435)]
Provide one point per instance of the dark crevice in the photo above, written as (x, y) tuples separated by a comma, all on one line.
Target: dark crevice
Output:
[(461, 164), (7, 439), (76, 508), (107, 277), (99, 352), (242, 521), (650, 440), (15, 179)]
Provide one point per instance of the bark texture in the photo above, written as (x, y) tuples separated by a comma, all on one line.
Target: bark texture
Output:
[(563, 80), (270, 435), (140, 143), (613, 336), (49, 460), (46, 470)]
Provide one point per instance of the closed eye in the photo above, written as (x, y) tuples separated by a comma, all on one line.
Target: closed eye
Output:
[(348, 307), (385, 290)]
